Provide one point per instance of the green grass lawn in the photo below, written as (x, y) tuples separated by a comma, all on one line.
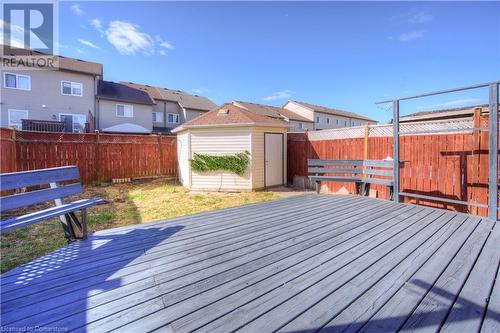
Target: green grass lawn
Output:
[(132, 203)]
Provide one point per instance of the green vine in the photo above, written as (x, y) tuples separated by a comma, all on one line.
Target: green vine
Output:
[(236, 163)]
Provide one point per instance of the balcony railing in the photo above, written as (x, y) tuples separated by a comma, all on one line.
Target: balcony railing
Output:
[(43, 125)]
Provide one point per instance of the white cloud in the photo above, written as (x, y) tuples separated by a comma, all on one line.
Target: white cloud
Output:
[(16, 31), (420, 17), (457, 102), (414, 17), (279, 95), (408, 36), (128, 40), (199, 90), (87, 43), (77, 9), (97, 25)]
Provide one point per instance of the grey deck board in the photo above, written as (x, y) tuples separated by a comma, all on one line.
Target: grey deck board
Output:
[(307, 263)]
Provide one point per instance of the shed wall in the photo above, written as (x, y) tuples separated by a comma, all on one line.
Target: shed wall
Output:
[(220, 141)]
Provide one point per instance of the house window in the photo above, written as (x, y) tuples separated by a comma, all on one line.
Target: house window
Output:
[(157, 117), (345, 123), (73, 122), (352, 123), (337, 122), (328, 120), (71, 88), (301, 125), (17, 81), (124, 110), (173, 118), (16, 117), (317, 120)]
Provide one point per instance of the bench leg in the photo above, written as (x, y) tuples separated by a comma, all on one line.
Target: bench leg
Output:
[(390, 189), (84, 224), (67, 226), (318, 187)]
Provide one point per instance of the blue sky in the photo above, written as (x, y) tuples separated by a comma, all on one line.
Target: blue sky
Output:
[(340, 54)]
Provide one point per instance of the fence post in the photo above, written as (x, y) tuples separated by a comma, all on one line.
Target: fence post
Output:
[(14, 150), (493, 153), (96, 158), (395, 147), (160, 155), (367, 132)]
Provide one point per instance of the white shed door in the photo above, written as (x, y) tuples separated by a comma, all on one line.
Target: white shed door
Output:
[(273, 162)]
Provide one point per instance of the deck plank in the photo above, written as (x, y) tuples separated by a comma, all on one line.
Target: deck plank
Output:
[(335, 263)]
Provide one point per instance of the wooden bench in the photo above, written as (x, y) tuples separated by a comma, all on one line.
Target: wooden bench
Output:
[(361, 172), (54, 191)]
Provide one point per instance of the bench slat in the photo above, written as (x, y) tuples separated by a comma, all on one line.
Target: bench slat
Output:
[(336, 178), (28, 219), (376, 163), (34, 197), (335, 170), (15, 180), (313, 162), (378, 172), (380, 181)]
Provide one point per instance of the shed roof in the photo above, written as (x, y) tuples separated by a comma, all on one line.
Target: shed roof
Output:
[(272, 111), (332, 111), (229, 115), (188, 101), (120, 92)]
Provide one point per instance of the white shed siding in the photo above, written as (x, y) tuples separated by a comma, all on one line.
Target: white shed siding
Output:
[(183, 153), (220, 141), (258, 154)]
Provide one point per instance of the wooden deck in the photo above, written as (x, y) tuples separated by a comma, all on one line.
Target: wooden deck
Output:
[(301, 264)]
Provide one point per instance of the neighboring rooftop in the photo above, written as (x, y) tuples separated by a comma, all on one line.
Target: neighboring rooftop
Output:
[(324, 109), (120, 92), (187, 101), (462, 112), (231, 115), (65, 63), (271, 111)]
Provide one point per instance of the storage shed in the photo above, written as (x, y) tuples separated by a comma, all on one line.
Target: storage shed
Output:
[(230, 130)]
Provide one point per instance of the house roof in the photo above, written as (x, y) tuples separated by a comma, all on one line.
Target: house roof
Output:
[(332, 111), (64, 63), (461, 112), (187, 101), (272, 111), (229, 115), (120, 92)]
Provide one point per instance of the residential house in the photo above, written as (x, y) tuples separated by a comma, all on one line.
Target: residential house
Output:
[(173, 107), (325, 117), (295, 121), (462, 113), (65, 96), (123, 109)]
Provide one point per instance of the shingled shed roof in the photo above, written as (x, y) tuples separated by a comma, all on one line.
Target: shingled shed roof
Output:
[(272, 111), (188, 101), (229, 115), (120, 92)]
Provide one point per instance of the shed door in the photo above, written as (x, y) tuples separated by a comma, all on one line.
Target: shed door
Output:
[(273, 162)]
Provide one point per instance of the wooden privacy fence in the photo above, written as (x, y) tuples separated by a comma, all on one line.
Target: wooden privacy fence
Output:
[(99, 157), (451, 166)]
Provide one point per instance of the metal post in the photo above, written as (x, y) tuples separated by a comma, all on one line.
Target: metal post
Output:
[(493, 153), (395, 147)]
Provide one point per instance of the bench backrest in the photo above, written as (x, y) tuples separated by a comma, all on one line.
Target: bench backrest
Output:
[(52, 177), (355, 167)]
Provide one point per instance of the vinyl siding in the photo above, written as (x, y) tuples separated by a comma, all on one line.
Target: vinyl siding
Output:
[(183, 153), (296, 128), (220, 141)]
